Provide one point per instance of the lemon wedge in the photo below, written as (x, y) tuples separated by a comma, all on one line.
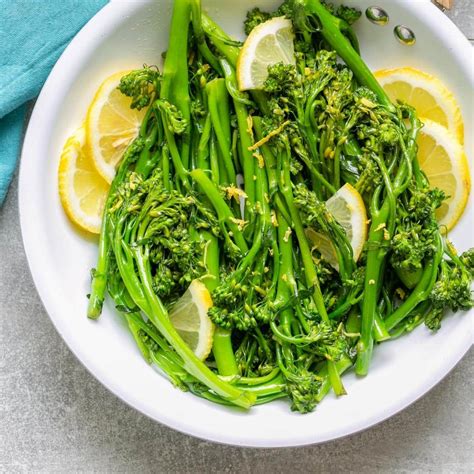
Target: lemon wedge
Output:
[(110, 126), (189, 317), (445, 164), (426, 93), (269, 43), (347, 207), (82, 190)]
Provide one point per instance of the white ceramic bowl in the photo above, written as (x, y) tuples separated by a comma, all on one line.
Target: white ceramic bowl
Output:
[(126, 34)]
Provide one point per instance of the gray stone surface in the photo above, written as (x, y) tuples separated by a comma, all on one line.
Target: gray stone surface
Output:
[(55, 417), (463, 16)]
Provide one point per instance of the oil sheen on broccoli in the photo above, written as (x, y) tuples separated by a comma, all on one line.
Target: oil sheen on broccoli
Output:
[(288, 325)]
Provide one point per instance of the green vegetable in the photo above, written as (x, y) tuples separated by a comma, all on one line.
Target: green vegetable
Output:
[(287, 323), (254, 18)]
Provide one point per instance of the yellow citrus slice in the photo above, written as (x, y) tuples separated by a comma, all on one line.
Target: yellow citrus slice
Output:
[(426, 93), (268, 43), (82, 190), (347, 207), (110, 126), (445, 164), (323, 244), (190, 319)]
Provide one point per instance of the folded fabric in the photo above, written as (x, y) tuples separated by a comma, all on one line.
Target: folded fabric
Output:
[(33, 34)]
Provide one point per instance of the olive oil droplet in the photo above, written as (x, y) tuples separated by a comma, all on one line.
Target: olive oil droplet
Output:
[(405, 35), (377, 15)]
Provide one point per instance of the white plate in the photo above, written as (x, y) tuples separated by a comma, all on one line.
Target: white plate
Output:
[(126, 34)]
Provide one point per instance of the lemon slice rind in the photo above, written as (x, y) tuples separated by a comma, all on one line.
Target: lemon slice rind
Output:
[(81, 189), (436, 145), (268, 43), (110, 126)]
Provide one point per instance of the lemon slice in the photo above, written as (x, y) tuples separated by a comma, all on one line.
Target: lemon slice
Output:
[(190, 319), (82, 190), (324, 245), (444, 162), (269, 43), (110, 126), (427, 94), (347, 207)]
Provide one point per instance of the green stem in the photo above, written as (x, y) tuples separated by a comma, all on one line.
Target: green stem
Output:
[(330, 28), (224, 353), (248, 160), (340, 367), (220, 117), (223, 211), (380, 330), (220, 39), (175, 82), (99, 274)]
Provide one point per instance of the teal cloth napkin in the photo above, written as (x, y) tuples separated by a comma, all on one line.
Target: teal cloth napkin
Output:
[(33, 34)]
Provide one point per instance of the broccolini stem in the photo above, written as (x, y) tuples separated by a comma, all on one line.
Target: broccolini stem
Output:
[(165, 167), (220, 39), (222, 343), (252, 381), (416, 317), (148, 160), (223, 211), (201, 37), (124, 303), (203, 146), (178, 163), (224, 353), (99, 274), (308, 264), (268, 391), (372, 282), (340, 367), (231, 83), (248, 160), (220, 116), (380, 330), (175, 83), (330, 28), (286, 284), (214, 160), (381, 221)]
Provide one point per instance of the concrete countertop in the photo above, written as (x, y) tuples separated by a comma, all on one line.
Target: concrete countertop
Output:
[(55, 417)]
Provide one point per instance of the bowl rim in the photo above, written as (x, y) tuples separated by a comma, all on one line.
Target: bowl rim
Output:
[(106, 19)]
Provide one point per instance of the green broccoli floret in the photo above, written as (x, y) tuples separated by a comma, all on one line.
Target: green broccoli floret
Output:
[(451, 291), (281, 78), (348, 14), (303, 388), (174, 118), (415, 234), (254, 18), (229, 308), (141, 85), (467, 258)]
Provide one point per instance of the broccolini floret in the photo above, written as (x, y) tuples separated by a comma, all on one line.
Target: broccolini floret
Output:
[(254, 18), (348, 14), (141, 85), (451, 291)]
